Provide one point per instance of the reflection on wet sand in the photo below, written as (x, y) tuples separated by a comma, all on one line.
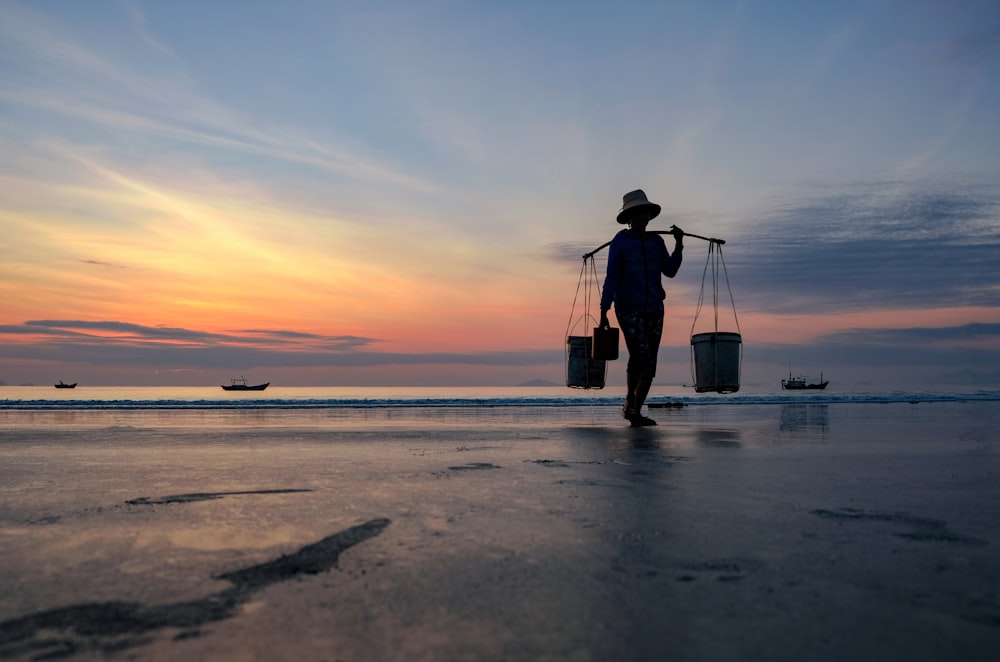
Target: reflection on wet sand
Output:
[(718, 438), (805, 417)]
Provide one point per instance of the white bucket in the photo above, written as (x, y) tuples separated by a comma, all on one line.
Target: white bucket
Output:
[(583, 371), (717, 358)]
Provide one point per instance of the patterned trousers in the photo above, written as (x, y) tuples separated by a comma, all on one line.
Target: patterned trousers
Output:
[(642, 332)]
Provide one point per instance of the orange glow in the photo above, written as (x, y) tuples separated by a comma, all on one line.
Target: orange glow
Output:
[(801, 329), (217, 258)]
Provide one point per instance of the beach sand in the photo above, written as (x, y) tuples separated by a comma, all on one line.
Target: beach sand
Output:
[(753, 532)]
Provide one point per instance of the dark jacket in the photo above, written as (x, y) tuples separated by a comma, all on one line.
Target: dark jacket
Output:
[(634, 266)]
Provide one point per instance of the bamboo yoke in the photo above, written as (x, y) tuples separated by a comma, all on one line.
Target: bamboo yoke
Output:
[(587, 256)]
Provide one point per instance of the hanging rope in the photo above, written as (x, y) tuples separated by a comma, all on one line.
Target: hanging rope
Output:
[(713, 262), (572, 310), (732, 300), (590, 286), (583, 371)]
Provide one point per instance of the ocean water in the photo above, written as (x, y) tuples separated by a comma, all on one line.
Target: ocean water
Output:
[(399, 408), (40, 398)]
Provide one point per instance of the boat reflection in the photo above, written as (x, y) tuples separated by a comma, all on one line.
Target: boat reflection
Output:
[(808, 416)]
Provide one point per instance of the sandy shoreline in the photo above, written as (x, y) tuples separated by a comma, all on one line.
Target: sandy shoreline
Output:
[(814, 532)]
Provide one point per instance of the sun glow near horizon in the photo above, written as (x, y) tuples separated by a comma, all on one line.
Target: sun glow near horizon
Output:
[(218, 260)]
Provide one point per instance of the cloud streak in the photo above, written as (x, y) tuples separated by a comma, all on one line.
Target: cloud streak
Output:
[(117, 95), (888, 245), (109, 332), (989, 332), (123, 343)]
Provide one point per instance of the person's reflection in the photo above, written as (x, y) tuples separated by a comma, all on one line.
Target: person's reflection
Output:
[(642, 441), (642, 502), (649, 514)]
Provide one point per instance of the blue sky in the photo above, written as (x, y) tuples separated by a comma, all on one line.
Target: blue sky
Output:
[(390, 192)]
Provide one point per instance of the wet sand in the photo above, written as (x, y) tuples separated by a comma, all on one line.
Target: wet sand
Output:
[(773, 532)]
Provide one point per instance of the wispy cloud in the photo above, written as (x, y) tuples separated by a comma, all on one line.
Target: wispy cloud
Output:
[(105, 332), (918, 335), (124, 343), (141, 25), (99, 263), (885, 245), (28, 330), (109, 92)]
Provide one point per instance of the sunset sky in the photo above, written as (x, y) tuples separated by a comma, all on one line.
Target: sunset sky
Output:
[(316, 192)]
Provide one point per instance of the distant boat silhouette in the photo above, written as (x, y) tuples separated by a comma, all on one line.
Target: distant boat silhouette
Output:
[(241, 385), (800, 383), (62, 385)]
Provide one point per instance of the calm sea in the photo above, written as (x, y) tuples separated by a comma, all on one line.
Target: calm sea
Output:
[(40, 398), (114, 411)]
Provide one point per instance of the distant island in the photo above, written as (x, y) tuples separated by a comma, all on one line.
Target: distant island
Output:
[(539, 382)]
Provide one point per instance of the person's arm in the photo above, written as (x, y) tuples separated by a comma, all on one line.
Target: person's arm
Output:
[(672, 263)]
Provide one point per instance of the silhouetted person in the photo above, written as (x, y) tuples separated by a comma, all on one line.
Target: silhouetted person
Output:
[(635, 261)]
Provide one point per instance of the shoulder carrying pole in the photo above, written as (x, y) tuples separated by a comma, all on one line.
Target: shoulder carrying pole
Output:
[(713, 240)]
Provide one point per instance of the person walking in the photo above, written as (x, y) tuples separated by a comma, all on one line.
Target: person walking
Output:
[(636, 259)]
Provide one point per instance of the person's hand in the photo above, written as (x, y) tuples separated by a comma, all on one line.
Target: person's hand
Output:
[(604, 323), (677, 232)]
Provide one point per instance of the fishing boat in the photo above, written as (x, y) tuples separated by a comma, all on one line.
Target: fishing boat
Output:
[(800, 383), (241, 385), (62, 385)]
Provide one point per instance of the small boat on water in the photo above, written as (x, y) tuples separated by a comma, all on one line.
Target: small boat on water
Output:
[(62, 385), (801, 383), (241, 385)]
